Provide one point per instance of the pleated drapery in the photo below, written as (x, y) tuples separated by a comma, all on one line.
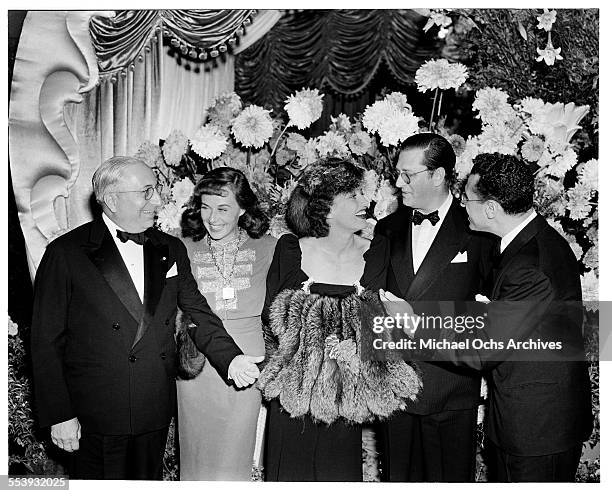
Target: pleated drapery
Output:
[(338, 50), (120, 41)]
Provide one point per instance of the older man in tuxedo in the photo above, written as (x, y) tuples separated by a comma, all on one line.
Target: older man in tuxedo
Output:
[(540, 407), (434, 257), (103, 349)]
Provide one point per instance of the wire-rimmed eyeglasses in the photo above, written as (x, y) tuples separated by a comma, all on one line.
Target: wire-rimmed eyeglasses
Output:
[(407, 176), (147, 192)]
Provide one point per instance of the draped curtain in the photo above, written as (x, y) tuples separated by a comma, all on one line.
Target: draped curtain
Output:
[(340, 51), (86, 88)]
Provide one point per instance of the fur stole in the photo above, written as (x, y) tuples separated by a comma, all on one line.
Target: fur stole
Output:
[(318, 367)]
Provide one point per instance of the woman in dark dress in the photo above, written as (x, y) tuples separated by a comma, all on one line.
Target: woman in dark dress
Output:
[(321, 286)]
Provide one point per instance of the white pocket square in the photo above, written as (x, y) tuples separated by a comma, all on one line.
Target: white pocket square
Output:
[(460, 257), (172, 272), (482, 298)]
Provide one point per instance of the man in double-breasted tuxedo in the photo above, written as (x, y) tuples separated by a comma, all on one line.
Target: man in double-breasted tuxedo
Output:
[(103, 349), (540, 405), (434, 258)]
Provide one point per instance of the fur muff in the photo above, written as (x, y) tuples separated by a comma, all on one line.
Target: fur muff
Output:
[(190, 360), (308, 380)]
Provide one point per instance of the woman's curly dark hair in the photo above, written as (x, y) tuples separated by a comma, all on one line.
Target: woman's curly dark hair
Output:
[(312, 198), (215, 182)]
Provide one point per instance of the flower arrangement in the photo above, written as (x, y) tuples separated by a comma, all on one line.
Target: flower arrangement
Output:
[(541, 133), (273, 156)]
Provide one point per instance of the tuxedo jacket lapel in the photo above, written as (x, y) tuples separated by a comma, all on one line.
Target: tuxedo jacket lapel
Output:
[(401, 252), (523, 237), (451, 238), (104, 254), (155, 269)]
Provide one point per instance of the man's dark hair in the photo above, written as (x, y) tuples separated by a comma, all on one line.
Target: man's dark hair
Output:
[(216, 182), (505, 179), (312, 198), (438, 153)]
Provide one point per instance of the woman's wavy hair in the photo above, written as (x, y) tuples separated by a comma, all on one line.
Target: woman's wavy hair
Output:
[(312, 198), (254, 221)]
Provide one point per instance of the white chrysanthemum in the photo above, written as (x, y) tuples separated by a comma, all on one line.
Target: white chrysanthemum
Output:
[(253, 126), (374, 115), (532, 106), (304, 108), (562, 163), (169, 217), (587, 174), (223, 110), (309, 154), (465, 161), (370, 184), (151, 155), (182, 191), (386, 200), (360, 143), (492, 105), (399, 100), (547, 19), (208, 142), (546, 159), (458, 143), (400, 126), (440, 74), (497, 139), (578, 204), (278, 226), (296, 142), (175, 147), (590, 289), (332, 144), (591, 257), (533, 149), (284, 155), (13, 329), (342, 123)]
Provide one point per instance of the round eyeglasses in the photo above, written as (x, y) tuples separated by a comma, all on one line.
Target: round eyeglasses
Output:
[(147, 192), (407, 176)]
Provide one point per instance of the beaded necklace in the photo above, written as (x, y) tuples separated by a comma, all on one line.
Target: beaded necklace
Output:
[(228, 292)]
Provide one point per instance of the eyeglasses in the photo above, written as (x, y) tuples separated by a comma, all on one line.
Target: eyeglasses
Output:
[(406, 176), (147, 192), (465, 199)]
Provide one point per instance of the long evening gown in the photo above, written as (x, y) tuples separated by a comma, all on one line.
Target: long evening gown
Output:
[(299, 449), (217, 423)]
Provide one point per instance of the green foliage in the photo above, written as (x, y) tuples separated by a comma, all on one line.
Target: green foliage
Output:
[(490, 43)]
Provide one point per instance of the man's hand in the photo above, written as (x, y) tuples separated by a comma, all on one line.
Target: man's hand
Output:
[(66, 435), (243, 370), (394, 304)]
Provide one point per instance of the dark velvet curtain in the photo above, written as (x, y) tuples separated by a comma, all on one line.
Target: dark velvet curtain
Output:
[(349, 54), (119, 40)]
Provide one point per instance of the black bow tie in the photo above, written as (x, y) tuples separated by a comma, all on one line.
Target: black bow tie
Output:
[(418, 218), (138, 238)]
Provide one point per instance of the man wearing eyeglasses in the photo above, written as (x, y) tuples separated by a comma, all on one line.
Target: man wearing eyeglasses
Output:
[(434, 258), (103, 349)]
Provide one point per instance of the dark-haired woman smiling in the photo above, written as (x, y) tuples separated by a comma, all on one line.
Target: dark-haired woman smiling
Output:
[(230, 255)]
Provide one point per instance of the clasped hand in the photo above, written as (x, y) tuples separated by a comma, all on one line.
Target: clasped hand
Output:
[(66, 435), (243, 370)]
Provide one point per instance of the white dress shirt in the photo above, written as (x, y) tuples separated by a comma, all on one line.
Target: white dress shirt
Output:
[(424, 234), (132, 255), (507, 239)]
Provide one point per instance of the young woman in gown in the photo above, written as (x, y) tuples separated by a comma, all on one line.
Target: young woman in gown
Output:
[(230, 254), (316, 296)]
